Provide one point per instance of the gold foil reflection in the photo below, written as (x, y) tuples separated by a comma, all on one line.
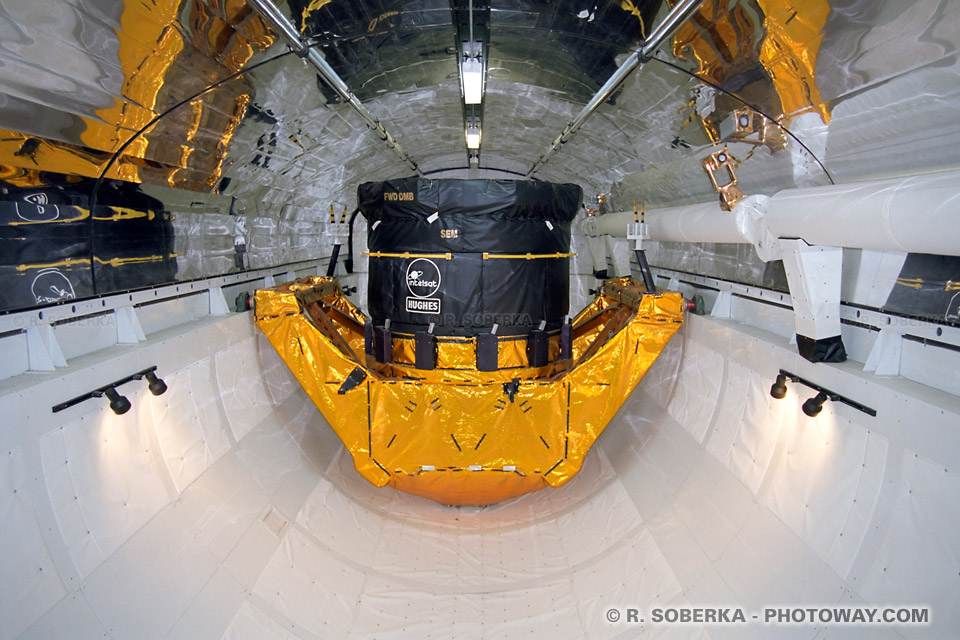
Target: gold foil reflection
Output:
[(163, 61), (782, 36)]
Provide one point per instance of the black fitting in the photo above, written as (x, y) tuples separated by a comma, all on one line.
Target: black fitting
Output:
[(511, 388)]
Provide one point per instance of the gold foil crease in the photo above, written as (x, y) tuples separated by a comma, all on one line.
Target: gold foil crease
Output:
[(790, 49), (454, 435)]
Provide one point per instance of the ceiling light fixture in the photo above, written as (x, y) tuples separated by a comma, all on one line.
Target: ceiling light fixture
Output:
[(473, 136), (471, 74)]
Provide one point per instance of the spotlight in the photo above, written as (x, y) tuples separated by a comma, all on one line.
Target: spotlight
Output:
[(156, 385), (779, 388), (813, 405), (118, 403)]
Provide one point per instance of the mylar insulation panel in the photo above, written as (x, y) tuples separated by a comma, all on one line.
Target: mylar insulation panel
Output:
[(456, 435)]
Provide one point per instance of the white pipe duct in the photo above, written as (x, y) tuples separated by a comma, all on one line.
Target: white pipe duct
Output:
[(917, 214), (691, 223), (914, 215)]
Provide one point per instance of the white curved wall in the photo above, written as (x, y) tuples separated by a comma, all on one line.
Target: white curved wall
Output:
[(226, 507)]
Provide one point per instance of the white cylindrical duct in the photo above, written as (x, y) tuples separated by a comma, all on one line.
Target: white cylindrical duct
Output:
[(918, 214), (690, 223)]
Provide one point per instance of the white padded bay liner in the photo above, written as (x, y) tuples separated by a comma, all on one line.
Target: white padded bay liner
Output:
[(227, 508)]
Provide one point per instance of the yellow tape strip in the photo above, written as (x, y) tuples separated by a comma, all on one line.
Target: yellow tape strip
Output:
[(84, 213), (48, 265), (525, 256), (380, 254), (913, 283)]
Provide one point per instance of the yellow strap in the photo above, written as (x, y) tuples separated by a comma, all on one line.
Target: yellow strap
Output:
[(380, 254), (486, 256), (913, 283), (525, 256)]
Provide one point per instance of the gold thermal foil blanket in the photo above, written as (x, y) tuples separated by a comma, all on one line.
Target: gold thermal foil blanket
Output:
[(458, 435)]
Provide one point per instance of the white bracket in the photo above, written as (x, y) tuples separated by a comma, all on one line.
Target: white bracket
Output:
[(814, 276), (269, 281), (723, 307), (129, 330), (339, 231), (218, 303), (884, 358), (291, 276), (598, 252), (43, 350), (638, 232), (703, 96), (619, 250)]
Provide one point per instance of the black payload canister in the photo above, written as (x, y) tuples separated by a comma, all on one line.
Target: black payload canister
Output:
[(467, 255)]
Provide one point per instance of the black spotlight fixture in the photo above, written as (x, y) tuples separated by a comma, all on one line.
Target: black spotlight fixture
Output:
[(118, 403), (156, 385), (814, 405), (779, 388)]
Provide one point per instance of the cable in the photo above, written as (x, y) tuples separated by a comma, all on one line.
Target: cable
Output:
[(113, 159), (443, 169), (348, 263), (159, 117), (747, 104)]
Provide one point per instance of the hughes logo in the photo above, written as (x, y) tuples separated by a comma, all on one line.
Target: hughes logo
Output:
[(423, 280), (423, 305)]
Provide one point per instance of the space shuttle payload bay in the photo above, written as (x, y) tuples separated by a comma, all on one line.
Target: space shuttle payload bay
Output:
[(227, 508)]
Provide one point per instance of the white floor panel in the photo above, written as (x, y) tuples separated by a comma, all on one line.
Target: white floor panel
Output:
[(309, 586), (704, 492)]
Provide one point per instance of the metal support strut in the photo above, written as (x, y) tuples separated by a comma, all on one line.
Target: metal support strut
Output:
[(648, 280), (671, 22), (288, 31)]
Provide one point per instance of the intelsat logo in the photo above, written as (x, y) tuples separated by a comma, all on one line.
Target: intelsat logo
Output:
[(423, 280)]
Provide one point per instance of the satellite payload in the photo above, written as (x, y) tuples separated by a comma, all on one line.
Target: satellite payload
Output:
[(468, 383)]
